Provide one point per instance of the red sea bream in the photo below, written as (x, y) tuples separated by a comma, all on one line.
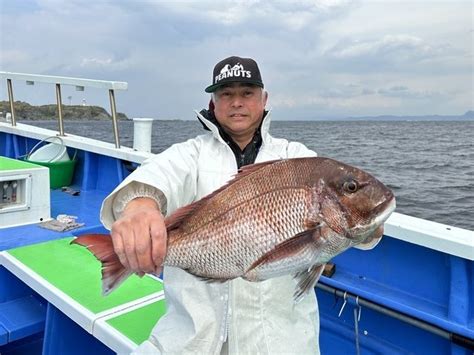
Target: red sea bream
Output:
[(274, 218)]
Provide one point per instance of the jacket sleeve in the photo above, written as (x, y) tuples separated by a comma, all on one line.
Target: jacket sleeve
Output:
[(169, 177), (299, 150)]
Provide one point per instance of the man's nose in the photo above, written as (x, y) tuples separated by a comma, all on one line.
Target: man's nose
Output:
[(236, 101)]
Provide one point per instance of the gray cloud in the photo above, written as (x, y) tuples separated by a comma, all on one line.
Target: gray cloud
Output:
[(317, 57), (394, 51), (407, 93)]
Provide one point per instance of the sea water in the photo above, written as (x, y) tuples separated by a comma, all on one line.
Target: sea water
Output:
[(429, 165)]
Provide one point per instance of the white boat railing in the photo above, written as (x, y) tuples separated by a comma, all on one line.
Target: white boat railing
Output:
[(79, 83)]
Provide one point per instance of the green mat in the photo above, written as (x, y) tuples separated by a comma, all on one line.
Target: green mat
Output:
[(7, 164), (76, 272), (137, 325)]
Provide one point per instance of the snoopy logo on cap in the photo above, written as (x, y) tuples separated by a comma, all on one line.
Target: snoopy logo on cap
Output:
[(225, 68), (229, 72)]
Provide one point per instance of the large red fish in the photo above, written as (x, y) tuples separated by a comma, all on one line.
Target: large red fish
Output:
[(275, 218)]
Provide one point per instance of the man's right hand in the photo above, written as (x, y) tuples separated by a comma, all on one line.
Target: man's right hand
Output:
[(139, 236)]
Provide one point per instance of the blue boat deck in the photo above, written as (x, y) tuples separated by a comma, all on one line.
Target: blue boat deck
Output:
[(85, 206)]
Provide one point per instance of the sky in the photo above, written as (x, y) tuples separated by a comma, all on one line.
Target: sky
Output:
[(319, 59)]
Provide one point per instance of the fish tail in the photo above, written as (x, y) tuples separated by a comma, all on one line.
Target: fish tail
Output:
[(113, 272)]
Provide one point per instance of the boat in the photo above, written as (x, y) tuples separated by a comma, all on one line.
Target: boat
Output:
[(413, 293)]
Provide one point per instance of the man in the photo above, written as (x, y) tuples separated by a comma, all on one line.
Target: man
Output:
[(211, 318)]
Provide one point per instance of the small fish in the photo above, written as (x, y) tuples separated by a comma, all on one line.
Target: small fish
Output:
[(275, 218)]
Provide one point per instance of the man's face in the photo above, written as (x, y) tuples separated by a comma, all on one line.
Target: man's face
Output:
[(239, 109)]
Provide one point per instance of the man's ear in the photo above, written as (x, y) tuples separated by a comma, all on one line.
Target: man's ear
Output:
[(265, 97)]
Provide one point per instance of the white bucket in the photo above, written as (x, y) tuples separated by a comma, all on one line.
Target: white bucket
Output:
[(50, 153)]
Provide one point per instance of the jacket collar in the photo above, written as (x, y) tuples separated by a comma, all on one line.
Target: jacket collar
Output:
[(210, 123)]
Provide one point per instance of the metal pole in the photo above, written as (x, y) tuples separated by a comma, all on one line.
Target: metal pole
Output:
[(60, 109), (10, 98), (453, 337), (114, 117)]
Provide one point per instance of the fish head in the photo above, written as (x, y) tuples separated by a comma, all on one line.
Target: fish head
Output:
[(357, 204)]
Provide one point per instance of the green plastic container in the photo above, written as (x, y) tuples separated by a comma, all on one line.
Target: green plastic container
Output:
[(55, 157), (60, 172)]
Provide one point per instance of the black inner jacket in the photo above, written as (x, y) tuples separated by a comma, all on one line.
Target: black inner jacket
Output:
[(242, 157)]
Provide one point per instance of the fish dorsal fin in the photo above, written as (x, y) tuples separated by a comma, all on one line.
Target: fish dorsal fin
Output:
[(251, 168), (181, 214), (174, 220)]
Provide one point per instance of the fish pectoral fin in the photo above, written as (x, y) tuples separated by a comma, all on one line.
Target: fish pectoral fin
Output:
[(288, 248), (306, 280), (211, 280)]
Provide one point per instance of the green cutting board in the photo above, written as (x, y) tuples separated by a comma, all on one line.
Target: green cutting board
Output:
[(138, 324), (7, 164), (72, 269)]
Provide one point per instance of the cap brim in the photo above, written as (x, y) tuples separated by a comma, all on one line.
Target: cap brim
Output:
[(214, 87)]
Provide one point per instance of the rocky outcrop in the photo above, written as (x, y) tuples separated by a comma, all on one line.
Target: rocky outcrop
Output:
[(25, 111)]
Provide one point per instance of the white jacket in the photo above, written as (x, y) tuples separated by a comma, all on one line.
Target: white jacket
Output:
[(249, 317)]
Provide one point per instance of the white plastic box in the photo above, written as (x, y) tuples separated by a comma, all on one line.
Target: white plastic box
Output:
[(24, 193)]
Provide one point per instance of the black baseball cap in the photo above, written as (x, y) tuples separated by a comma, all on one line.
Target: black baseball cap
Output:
[(235, 70)]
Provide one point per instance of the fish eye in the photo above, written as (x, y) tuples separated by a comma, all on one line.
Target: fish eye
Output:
[(350, 186)]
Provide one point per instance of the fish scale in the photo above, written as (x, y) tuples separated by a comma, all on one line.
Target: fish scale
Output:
[(238, 240), (255, 184)]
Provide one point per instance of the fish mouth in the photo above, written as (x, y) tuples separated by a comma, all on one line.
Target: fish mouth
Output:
[(384, 210)]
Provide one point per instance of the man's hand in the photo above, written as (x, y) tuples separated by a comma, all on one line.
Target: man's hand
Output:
[(139, 236)]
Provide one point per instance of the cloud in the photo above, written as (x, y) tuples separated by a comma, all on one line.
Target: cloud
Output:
[(109, 64), (341, 94), (347, 100), (390, 45), (13, 56), (341, 57), (404, 92), (281, 15), (388, 52)]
